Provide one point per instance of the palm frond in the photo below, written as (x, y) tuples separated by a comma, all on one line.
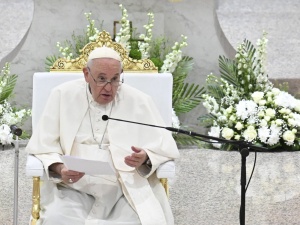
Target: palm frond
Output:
[(9, 87), (50, 60), (228, 70), (186, 141), (186, 97), (216, 91), (206, 120), (183, 68), (250, 49)]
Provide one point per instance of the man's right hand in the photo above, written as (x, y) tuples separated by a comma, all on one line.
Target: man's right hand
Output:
[(68, 176)]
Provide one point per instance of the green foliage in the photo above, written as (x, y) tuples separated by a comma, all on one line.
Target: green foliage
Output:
[(7, 89), (50, 60), (186, 97), (157, 62), (186, 141), (206, 120), (159, 48), (135, 54)]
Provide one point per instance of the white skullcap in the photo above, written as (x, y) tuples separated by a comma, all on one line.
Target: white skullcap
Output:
[(104, 52)]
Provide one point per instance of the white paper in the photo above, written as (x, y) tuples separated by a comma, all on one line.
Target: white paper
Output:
[(90, 167)]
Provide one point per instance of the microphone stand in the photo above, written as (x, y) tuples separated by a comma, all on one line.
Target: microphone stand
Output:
[(244, 153), (243, 145), (16, 131)]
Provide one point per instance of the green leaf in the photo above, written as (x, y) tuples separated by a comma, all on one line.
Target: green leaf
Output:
[(50, 60), (184, 66), (215, 91), (9, 87), (206, 120), (228, 70), (186, 97), (186, 141)]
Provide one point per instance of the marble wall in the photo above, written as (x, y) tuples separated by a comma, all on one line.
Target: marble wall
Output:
[(55, 20)]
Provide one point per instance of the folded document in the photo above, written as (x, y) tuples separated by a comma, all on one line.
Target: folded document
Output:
[(90, 167)]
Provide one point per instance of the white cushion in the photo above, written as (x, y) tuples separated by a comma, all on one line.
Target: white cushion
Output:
[(34, 167), (166, 170)]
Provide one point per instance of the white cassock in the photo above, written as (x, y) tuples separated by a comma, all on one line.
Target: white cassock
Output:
[(71, 124)]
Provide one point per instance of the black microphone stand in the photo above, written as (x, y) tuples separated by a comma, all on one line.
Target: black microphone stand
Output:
[(243, 145), (244, 153)]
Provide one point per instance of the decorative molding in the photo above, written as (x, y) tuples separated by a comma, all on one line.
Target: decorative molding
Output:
[(104, 39)]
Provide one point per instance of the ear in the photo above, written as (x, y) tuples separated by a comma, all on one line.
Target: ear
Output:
[(86, 74)]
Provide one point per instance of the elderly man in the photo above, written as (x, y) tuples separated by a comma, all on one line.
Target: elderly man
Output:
[(71, 124)]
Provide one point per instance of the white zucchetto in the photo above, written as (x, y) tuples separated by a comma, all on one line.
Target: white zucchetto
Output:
[(104, 52)]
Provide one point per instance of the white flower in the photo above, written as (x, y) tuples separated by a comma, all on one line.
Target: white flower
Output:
[(227, 133), (270, 112), (215, 132), (257, 96), (289, 137), (5, 134), (239, 126), (175, 120), (275, 91), (246, 108), (250, 134), (174, 57), (284, 99)]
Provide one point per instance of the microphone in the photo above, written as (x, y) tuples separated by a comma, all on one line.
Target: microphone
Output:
[(16, 130), (194, 134)]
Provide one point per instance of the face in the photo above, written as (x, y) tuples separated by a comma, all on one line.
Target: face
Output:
[(103, 69)]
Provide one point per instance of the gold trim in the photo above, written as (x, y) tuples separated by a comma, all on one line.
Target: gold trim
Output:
[(35, 211), (164, 182), (104, 39)]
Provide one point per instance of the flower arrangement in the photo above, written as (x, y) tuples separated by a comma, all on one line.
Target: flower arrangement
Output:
[(243, 104), (9, 115), (168, 59)]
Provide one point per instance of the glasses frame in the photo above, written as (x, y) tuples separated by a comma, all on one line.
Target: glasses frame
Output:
[(100, 84)]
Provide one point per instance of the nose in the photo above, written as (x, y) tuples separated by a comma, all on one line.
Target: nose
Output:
[(108, 86)]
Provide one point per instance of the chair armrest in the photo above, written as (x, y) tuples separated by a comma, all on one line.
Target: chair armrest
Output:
[(166, 170), (34, 167)]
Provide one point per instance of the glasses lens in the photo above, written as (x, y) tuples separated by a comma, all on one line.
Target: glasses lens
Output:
[(113, 83)]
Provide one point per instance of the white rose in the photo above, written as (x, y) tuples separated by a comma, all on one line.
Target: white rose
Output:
[(261, 114), (250, 133), (227, 133), (263, 123), (262, 102), (270, 112), (229, 110), (289, 137), (232, 118), (275, 91), (267, 118), (257, 96), (279, 122), (239, 126), (291, 122), (237, 137)]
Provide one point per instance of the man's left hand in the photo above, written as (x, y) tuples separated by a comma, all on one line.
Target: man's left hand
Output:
[(137, 158)]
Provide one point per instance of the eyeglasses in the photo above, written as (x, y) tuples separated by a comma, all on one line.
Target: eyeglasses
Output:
[(101, 81)]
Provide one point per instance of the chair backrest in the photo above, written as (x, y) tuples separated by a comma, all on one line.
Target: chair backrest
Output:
[(157, 85)]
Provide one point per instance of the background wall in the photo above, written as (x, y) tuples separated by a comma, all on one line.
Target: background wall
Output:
[(55, 20), (29, 31)]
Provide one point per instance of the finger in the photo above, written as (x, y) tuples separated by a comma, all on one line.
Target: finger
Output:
[(129, 163), (131, 159), (136, 149)]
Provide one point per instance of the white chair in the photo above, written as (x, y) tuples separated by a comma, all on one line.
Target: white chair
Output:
[(159, 86)]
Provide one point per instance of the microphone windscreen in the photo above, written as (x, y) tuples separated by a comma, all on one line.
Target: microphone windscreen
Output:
[(104, 117), (15, 130)]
